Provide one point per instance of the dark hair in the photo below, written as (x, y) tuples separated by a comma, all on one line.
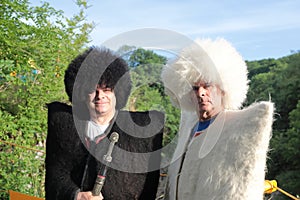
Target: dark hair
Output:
[(97, 66)]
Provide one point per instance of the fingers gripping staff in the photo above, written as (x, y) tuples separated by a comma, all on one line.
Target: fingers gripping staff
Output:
[(114, 137)]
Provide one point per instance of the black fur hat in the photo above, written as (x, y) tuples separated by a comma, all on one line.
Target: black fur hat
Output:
[(97, 66)]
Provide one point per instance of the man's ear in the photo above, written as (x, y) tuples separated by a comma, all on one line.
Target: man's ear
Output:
[(223, 93)]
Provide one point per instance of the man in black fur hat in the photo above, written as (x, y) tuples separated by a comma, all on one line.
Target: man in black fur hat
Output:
[(98, 85)]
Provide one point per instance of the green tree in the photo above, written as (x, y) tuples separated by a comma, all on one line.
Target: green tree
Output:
[(148, 91), (284, 163), (143, 57), (287, 89), (36, 45), (278, 80)]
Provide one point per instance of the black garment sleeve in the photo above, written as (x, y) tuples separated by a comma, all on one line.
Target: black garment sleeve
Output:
[(152, 179), (151, 141), (63, 154)]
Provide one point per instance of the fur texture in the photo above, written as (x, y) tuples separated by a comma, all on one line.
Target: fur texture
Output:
[(68, 162), (213, 61), (97, 66), (234, 166)]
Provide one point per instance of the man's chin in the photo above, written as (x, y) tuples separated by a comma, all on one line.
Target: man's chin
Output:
[(100, 111)]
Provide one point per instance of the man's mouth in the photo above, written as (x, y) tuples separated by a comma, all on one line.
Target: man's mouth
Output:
[(203, 102), (99, 103)]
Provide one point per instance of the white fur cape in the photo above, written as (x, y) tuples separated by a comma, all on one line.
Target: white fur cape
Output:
[(227, 161)]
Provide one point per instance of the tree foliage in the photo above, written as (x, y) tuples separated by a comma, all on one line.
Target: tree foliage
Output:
[(148, 91), (36, 44), (278, 81)]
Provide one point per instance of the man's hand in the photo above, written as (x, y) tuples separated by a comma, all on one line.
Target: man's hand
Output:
[(88, 196)]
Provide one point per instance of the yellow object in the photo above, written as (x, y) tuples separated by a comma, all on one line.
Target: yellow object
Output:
[(270, 186), (31, 63), (13, 73)]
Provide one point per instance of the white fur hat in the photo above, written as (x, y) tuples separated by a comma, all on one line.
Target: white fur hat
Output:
[(215, 62)]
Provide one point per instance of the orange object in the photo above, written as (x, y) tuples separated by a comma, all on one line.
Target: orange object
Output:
[(19, 196)]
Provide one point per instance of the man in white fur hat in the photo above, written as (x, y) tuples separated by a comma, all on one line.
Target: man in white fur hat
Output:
[(221, 149)]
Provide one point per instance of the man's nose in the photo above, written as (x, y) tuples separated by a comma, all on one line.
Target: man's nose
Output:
[(201, 91), (99, 94)]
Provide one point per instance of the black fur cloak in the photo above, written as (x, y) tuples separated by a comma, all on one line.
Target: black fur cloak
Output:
[(71, 168)]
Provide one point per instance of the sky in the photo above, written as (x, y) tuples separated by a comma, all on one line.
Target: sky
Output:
[(257, 29)]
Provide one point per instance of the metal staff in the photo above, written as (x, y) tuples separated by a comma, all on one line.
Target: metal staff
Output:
[(114, 137)]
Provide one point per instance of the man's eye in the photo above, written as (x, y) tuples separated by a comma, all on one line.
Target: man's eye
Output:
[(196, 88)]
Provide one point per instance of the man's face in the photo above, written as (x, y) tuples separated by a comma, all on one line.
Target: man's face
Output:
[(208, 98), (102, 101)]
